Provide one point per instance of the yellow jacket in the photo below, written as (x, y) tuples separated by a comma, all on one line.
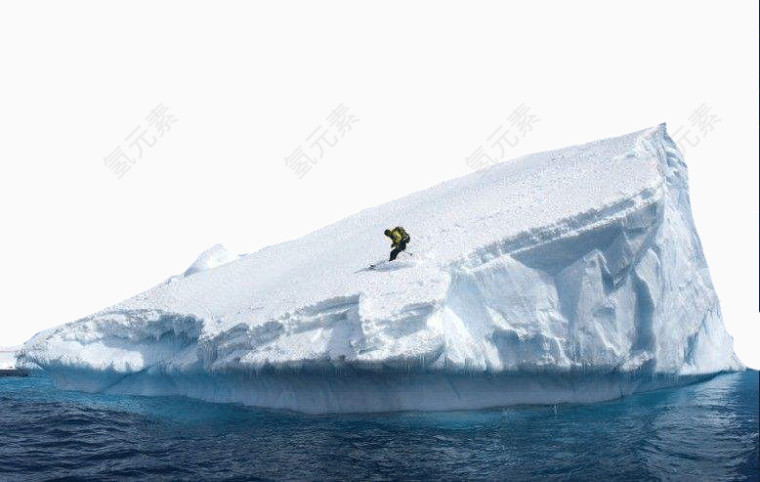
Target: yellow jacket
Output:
[(397, 235)]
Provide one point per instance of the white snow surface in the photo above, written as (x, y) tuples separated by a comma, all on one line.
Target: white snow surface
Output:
[(570, 275), (213, 257)]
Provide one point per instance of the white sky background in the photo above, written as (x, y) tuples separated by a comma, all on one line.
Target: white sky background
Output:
[(247, 83)]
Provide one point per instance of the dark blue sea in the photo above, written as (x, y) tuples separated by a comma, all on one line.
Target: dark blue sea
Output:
[(707, 431)]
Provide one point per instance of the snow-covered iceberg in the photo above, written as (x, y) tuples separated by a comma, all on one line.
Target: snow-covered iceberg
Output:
[(7, 359), (10, 366), (566, 276)]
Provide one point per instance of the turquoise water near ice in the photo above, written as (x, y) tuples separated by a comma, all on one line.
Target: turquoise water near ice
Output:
[(706, 431)]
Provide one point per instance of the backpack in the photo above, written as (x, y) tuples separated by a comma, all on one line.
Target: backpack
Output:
[(405, 238)]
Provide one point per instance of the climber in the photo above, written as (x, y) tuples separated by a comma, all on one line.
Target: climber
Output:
[(399, 239)]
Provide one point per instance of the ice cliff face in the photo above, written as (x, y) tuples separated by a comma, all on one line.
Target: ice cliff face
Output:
[(570, 275)]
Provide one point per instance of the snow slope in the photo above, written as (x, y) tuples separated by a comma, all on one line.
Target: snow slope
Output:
[(569, 275)]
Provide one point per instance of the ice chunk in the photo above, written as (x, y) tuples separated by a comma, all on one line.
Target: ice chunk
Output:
[(11, 366), (570, 275), (7, 358), (216, 255)]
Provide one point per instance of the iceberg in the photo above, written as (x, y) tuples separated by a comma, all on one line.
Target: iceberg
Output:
[(7, 359), (10, 366), (573, 275)]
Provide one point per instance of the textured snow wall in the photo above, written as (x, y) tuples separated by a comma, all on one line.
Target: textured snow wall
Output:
[(573, 275)]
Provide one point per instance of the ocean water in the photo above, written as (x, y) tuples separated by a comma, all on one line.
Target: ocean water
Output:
[(706, 431)]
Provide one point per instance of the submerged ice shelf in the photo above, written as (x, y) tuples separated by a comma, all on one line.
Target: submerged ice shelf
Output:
[(569, 275)]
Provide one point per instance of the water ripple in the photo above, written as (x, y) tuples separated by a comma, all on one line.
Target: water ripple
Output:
[(705, 431)]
